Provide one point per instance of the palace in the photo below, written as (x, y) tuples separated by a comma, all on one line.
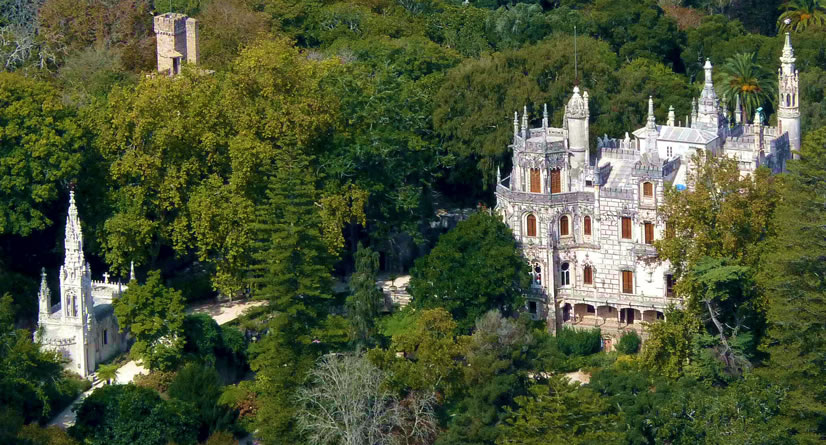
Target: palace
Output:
[(82, 325), (587, 226)]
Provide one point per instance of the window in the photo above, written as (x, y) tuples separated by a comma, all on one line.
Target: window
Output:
[(565, 275), (537, 275), (626, 227), (105, 337), (588, 275), (532, 307), (586, 226), (556, 181), (535, 181), (669, 152), (649, 233), (589, 183), (563, 226), (669, 285), (531, 220), (627, 315), (627, 282), (647, 189), (590, 309)]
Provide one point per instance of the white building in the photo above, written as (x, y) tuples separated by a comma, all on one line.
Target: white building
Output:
[(82, 325), (587, 226)]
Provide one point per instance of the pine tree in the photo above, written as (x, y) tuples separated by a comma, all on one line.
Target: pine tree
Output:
[(291, 267), (365, 299), (795, 277)]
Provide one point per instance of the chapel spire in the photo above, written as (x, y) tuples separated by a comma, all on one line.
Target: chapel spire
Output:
[(73, 242)]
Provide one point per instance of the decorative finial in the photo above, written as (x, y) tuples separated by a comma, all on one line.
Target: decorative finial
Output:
[(671, 116), (545, 116), (131, 270), (652, 123), (515, 123), (498, 175), (524, 118)]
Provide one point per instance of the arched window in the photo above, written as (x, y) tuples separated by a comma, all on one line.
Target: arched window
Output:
[(588, 275), (535, 181), (531, 220), (586, 226), (648, 189), (565, 274), (563, 226)]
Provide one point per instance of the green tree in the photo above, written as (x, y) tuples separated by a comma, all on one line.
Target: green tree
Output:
[(794, 279), (558, 412), (474, 268), (670, 348), (129, 414), (291, 266), (425, 353), (800, 15), (40, 152), (200, 386), (743, 78), (29, 376), (107, 373), (365, 298), (721, 215), (154, 314)]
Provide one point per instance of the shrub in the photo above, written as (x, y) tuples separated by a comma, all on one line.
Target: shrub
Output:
[(629, 343), (157, 380), (203, 337), (221, 438), (579, 342)]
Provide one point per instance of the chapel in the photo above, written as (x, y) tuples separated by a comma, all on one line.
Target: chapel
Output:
[(81, 325)]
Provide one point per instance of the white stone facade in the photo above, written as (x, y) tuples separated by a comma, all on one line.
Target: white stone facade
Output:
[(82, 324), (587, 227)]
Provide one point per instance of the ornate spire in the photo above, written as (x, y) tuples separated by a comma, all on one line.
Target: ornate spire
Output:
[(131, 270), (652, 121), (525, 122), (577, 107), (671, 116), (738, 111), (788, 59), (44, 294), (73, 243), (545, 116)]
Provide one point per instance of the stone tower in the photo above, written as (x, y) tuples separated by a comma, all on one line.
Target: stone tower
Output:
[(76, 294), (576, 119), (177, 38), (788, 110)]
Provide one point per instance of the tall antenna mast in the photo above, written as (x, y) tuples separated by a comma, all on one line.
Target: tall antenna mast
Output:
[(576, 67)]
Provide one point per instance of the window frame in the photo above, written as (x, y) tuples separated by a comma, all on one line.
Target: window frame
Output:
[(556, 181), (586, 226), (535, 180), (648, 229), (588, 275), (627, 282), (564, 226), (648, 190), (565, 274), (530, 225), (626, 231)]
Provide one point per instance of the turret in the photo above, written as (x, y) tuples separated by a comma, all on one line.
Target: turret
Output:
[(177, 41), (44, 296), (576, 117), (788, 111), (708, 107)]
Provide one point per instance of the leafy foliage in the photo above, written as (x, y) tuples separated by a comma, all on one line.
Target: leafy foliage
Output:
[(365, 299), (579, 342), (629, 342), (473, 268), (154, 314)]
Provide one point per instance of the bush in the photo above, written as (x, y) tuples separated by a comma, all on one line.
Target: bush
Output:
[(203, 337), (221, 438), (157, 380), (579, 342), (629, 343)]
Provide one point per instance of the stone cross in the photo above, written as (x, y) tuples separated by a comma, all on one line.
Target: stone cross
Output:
[(106, 277)]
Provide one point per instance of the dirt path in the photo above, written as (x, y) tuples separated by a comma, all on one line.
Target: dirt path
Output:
[(220, 312)]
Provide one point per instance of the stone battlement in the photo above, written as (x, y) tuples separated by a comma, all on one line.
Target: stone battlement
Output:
[(170, 24)]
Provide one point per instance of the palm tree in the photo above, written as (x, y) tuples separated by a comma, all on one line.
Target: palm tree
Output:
[(744, 78), (802, 14), (107, 373)]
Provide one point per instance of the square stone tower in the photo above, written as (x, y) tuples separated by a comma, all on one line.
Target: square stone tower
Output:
[(177, 38)]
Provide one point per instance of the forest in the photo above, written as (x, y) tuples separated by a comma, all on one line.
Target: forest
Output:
[(310, 152)]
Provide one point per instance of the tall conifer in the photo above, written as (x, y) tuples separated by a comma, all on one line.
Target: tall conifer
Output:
[(795, 277)]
